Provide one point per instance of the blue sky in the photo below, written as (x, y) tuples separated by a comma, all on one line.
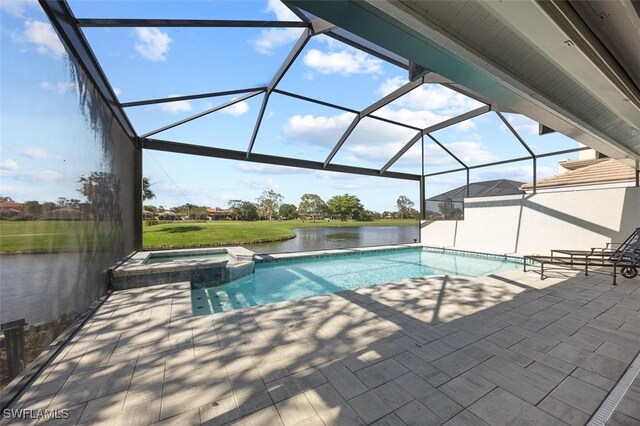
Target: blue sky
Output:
[(44, 162)]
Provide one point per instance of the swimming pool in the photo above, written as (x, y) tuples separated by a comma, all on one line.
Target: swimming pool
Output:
[(298, 278)]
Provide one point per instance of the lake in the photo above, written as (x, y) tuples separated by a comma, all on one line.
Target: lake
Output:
[(322, 238), (41, 287)]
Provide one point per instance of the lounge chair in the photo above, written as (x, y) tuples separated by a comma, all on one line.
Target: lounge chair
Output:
[(626, 257)]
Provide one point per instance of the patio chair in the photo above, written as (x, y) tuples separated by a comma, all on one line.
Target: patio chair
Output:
[(626, 257)]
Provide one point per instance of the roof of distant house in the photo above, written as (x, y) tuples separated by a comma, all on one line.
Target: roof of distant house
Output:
[(605, 170), (10, 205), (487, 188)]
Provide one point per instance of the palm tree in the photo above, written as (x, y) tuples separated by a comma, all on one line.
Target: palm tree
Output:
[(147, 193)]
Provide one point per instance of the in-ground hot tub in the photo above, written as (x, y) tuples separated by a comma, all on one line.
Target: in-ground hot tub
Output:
[(202, 267)]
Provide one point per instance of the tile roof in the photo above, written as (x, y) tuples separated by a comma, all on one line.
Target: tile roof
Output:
[(606, 171)]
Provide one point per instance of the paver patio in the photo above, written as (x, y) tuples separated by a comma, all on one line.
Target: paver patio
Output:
[(505, 349)]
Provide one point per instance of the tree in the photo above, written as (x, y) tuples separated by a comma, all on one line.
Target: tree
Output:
[(147, 193), (247, 211), (31, 209), (405, 205), (191, 211), (346, 206), (449, 210), (9, 199), (102, 191), (287, 211), (269, 203), (312, 205), (150, 208)]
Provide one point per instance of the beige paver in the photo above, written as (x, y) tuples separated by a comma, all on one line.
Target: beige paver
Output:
[(510, 348)]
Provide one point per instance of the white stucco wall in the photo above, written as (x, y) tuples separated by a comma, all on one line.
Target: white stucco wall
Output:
[(536, 223)]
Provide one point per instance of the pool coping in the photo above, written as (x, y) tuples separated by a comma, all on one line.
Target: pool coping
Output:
[(275, 257), (135, 264)]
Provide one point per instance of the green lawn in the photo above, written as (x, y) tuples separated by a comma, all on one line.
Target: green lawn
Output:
[(46, 236), (54, 235), (224, 232)]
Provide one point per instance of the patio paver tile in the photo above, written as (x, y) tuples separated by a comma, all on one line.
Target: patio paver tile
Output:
[(416, 414), (345, 382), (500, 407), (381, 372), (467, 388), (563, 411), (581, 395), (378, 402)]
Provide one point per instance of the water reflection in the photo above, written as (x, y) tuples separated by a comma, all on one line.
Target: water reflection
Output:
[(322, 238)]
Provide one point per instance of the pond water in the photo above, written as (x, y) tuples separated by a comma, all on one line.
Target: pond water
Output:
[(40, 287), (322, 238)]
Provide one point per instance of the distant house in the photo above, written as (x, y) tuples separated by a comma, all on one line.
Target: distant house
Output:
[(450, 205), (64, 213), (217, 214), (10, 208), (592, 173), (168, 215), (146, 214)]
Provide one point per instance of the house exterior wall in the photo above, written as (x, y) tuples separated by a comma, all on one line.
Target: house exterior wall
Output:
[(537, 223)]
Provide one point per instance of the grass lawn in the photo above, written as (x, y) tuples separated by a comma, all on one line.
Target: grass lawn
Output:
[(51, 235), (193, 234), (54, 235)]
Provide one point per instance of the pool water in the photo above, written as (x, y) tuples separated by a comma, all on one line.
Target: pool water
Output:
[(187, 257), (299, 278)]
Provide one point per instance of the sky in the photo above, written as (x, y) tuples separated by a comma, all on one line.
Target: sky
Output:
[(40, 155)]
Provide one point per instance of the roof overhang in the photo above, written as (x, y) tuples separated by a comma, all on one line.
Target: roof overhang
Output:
[(536, 58)]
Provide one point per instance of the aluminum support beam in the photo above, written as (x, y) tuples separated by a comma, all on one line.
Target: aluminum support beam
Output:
[(205, 151), (71, 36), (202, 114), (315, 101), (191, 97), (184, 23), (402, 151), (295, 51), (454, 157), (434, 128), (513, 160), (524, 144), (401, 91)]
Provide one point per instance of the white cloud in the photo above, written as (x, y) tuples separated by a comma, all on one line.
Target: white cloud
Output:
[(344, 62), (236, 109), (45, 176), (175, 106), (519, 173), (317, 130), (42, 35), (521, 123), (117, 91), (272, 38), (268, 169), (17, 7), (469, 152), (432, 97), (9, 165), (152, 44), (416, 118), (282, 12), (260, 184), (40, 176), (59, 87), (35, 153)]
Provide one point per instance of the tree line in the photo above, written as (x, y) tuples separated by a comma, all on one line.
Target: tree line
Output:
[(269, 206)]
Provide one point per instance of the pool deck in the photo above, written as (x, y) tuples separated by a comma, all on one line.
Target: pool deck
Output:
[(503, 349)]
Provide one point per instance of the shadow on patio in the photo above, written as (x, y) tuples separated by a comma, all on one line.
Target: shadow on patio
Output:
[(501, 349)]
